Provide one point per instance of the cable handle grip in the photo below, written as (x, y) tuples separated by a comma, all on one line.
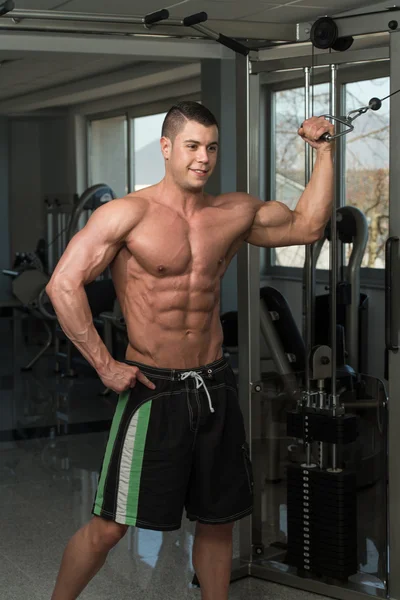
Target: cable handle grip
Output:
[(233, 44), (155, 17), (6, 7), (327, 137), (390, 244), (195, 19)]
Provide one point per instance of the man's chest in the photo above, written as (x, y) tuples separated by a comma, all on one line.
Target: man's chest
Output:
[(173, 245)]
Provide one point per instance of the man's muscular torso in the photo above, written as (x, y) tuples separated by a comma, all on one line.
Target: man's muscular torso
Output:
[(167, 277), (169, 246)]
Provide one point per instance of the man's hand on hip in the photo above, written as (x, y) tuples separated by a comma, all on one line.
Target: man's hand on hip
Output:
[(120, 377)]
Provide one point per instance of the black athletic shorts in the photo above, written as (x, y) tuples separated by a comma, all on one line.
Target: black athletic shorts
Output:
[(182, 445)]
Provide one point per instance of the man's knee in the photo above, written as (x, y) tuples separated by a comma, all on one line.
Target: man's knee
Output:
[(105, 534), (223, 530)]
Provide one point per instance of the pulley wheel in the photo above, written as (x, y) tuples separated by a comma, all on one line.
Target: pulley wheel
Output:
[(343, 43), (324, 33), (375, 103)]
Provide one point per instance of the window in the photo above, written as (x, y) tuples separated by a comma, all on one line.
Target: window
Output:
[(148, 162), (367, 164), (288, 177), (126, 162), (109, 153)]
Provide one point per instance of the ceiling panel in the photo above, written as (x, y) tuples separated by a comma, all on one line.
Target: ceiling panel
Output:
[(335, 6), (287, 14), (36, 4), (303, 10), (11, 55), (221, 10), (216, 9), (116, 7), (39, 72)]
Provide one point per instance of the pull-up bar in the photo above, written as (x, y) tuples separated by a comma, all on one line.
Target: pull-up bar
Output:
[(148, 21), (194, 22)]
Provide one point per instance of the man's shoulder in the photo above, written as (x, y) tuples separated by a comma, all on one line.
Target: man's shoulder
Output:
[(130, 205), (235, 200), (120, 214), (134, 199)]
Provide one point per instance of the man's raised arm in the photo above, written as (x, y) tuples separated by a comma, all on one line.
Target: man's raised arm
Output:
[(275, 224), (88, 254)]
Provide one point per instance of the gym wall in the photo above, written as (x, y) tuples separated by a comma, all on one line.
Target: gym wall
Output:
[(218, 93), (26, 191), (39, 166)]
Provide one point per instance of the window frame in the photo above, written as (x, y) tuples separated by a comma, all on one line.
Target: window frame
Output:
[(130, 113), (369, 277)]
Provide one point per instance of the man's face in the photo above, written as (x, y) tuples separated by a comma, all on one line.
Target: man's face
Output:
[(192, 155)]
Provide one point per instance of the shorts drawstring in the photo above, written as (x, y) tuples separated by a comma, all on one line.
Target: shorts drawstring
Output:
[(199, 383)]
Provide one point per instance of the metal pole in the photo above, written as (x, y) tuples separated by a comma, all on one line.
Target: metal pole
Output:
[(23, 19), (248, 272), (334, 273), (60, 15), (50, 237), (59, 230), (394, 325), (131, 155), (309, 281), (333, 253), (307, 114)]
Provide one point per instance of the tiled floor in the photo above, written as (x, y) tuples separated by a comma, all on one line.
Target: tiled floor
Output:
[(46, 491), (47, 485)]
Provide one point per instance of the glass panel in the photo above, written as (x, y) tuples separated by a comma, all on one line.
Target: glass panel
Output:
[(109, 152), (367, 165), (289, 162), (148, 162)]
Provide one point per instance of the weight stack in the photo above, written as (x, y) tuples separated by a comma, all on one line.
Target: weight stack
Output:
[(322, 521)]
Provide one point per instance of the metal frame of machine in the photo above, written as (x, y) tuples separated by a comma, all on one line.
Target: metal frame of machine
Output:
[(250, 386), (148, 26)]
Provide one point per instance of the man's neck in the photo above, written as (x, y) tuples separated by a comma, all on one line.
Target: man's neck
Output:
[(182, 200)]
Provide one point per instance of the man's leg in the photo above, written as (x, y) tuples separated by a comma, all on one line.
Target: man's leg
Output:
[(212, 559), (84, 556)]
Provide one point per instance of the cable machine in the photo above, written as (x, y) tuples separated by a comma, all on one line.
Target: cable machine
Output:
[(323, 512)]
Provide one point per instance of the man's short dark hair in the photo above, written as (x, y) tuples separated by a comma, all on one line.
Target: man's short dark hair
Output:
[(182, 112)]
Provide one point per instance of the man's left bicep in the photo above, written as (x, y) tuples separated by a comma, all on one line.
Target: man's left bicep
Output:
[(272, 226)]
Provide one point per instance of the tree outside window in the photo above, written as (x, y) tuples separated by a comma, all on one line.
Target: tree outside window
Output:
[(366, 163)]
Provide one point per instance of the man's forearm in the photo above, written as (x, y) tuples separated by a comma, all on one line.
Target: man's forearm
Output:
[(74, 315), (315, 204)]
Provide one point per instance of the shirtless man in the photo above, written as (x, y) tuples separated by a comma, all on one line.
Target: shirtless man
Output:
[(177, 438)]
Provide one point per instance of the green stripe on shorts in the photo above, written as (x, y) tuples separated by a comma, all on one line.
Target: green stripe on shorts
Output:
[(137, 460), (122, 402)]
